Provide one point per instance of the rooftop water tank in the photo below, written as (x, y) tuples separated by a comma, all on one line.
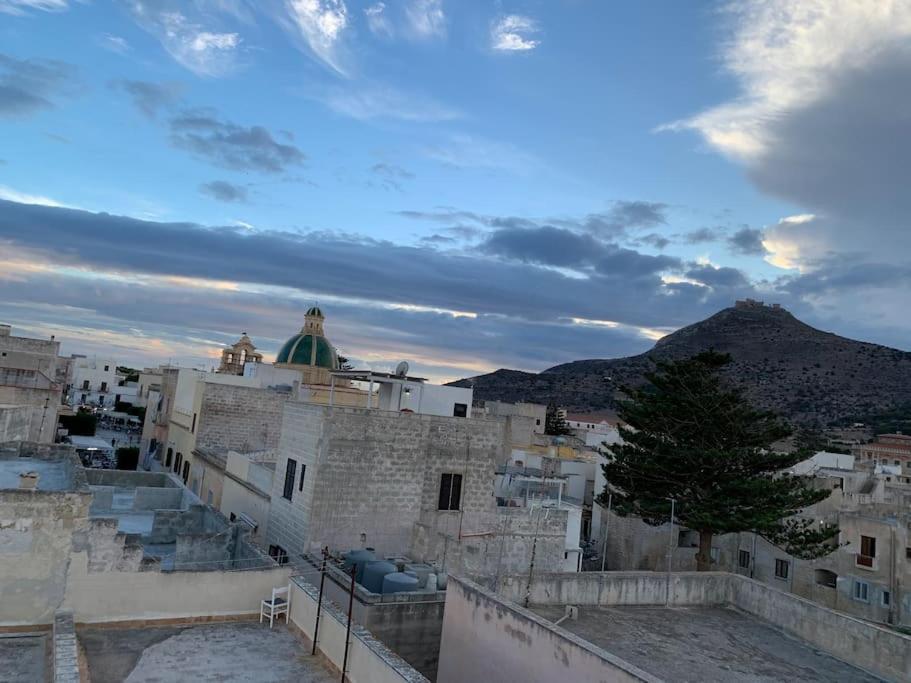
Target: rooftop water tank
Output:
[(374, 573), (431, 586), (399, 582), (422, 571), (358, 558)]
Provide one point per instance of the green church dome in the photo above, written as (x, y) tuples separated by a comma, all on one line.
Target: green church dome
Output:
[(308, 349)]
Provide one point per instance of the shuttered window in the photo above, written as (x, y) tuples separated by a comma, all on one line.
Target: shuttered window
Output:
[(450, 491), (290, 472)]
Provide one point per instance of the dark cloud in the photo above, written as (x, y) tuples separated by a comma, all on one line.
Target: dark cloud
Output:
[(29, 85), (714, 276), (545, 245), (626, 215), (232, 146), (224, 191), (437, 238), (622, 285), (390, 176), (150, 98), (747, 241), (655, 240), (702, 235)]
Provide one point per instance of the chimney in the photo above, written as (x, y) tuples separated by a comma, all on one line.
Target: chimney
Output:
[(28, 481)]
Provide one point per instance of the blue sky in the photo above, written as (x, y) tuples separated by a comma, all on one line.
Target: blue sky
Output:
[(632, 167)]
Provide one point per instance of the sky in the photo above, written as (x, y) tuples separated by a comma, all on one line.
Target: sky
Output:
[(466, 184)]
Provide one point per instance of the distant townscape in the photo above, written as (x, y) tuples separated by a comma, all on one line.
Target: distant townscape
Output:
[(345, 522)]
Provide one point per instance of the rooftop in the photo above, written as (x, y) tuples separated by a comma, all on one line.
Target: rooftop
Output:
[(703, 644), (225, 652), (25, 657), (58, 468)]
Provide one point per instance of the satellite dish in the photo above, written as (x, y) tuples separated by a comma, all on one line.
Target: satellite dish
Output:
[(401, 370)]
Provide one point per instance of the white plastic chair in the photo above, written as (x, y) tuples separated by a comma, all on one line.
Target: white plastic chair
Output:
[(277, 605)]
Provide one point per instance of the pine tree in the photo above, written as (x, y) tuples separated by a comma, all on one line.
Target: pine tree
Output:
[(690, 437), (554, 424)]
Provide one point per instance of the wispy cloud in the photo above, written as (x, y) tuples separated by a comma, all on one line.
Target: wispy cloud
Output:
[(224, 191), (470, 151), (114, 43), (385, 102), (11, 195), (378, 21), (512, 33), (30, 85), (390, 176), (20, 7), (195, 46), (321, 24), (150, 98), (426, 18)]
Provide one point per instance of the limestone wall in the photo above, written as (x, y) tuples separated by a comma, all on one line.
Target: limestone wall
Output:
[(239, 418)]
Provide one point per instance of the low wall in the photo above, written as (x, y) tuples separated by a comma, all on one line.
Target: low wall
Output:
[(157, 498), (488, 639), (879, 650), (620, 588), (130, 479), (127, 596), (876, 649), (369, 661)]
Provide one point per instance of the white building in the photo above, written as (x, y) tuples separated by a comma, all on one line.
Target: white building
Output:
[(94, 382), (400, 393)]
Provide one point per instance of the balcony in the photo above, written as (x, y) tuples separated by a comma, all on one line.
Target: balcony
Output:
[(865, 561)]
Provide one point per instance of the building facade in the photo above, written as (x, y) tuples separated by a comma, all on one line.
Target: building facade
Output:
[(93, 382)]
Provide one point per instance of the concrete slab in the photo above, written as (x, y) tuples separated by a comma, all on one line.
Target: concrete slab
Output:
[(24, 658), (704, 644), (228, 653), (52, 475), (130, 522)]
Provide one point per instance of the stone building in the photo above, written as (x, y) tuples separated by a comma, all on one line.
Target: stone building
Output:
[(404, 484), (867, 574), (93, 382), (887, 450), (235, 358), (33, 374)]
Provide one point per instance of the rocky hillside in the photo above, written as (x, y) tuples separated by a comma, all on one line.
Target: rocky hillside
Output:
[(782, 364)]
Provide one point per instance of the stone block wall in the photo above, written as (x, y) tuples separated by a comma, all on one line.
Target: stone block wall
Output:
[(15, 422), (239, 418), (375, 473)]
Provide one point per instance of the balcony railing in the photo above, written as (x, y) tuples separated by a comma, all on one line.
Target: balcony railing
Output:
[(864, 561)]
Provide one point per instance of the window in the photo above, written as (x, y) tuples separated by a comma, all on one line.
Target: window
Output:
[(861, 591), (186, 471), (290, 471), (177, 462), (782, 568), (107, 368), (538, 422), (232, 517), (826, 578), (867, 551), (277, 553), (84, 398), (303, 474), (450, 491), (687, 538), (104, 386), (460, 410), (85, 385), (908, 553), (887, 598), (167, 458), (743, 559), (193, 426)]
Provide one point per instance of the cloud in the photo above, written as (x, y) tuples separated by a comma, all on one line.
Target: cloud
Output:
[(390, 176), (426, 18), (230, 145), (377, 21), (701, 236), (114, 43), (29, 85), (747, 241), (11, 195), (20, 7), (224, 191), (624, 216), (384, 102), (150, 98), (511, 33), (715, 276), (194, 45), (322, 25), (471, 151)]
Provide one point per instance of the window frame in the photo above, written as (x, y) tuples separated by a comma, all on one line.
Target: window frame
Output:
[(856, 592), (454, 486), (741, 554), (300, 486), (460, 410), (785, 565), (290, 476)]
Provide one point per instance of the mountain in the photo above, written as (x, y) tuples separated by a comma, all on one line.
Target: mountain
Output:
[(782, 364)]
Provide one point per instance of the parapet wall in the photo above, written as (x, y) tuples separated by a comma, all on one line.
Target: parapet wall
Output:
[(879, 650)]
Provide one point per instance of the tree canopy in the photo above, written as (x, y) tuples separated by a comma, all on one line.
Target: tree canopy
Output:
[(554, 423), (689, 436)]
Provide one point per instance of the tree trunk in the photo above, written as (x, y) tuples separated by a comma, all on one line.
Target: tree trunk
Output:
[(704, 556)]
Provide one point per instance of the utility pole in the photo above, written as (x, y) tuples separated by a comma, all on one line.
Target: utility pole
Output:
[(610, 500), (670, 555), (319, 602), (348, 632)]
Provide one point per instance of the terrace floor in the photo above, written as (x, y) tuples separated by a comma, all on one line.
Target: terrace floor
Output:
[(229, 652), (704, 644), (25, 658)]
